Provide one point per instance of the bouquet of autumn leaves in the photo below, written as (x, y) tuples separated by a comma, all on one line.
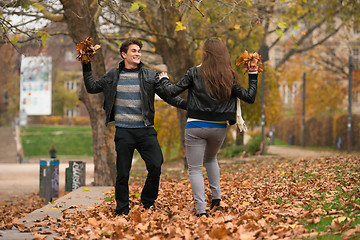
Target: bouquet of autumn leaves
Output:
[(253, 58), (86, 50)]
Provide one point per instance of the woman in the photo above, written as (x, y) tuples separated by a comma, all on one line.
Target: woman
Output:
[(213, 88)]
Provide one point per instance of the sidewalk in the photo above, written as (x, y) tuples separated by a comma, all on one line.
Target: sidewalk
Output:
[(82, 198), (8, 147), (285, 151)]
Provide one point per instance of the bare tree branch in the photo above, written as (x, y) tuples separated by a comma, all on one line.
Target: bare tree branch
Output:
[(47, 14)]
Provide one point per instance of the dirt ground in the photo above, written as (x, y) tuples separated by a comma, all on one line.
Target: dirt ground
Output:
[(296, 152)]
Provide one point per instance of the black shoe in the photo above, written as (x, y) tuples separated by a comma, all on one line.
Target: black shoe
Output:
[(149, 207), (202, 214), (215, 203), (121, 212)]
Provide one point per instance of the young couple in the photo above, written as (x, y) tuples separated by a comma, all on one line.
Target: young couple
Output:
[(129, 91)]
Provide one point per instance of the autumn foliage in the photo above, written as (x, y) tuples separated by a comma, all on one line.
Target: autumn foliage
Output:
[(253, 58), (86, 50)]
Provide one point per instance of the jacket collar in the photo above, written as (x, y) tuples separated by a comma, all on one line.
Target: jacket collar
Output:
[(122, 65)]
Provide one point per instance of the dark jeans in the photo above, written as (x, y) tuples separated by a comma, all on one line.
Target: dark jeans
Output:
[(145, 141)]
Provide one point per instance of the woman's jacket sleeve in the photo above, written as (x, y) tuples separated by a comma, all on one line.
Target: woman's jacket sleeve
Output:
[(249, 94)]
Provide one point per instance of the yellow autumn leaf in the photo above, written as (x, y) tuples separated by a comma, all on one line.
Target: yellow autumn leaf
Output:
[(39, 6), (292, 226), (180, 26), (341, 219)]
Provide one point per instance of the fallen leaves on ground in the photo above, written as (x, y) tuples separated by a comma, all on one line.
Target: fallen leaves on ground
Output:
[(18, 207), (262, 198)]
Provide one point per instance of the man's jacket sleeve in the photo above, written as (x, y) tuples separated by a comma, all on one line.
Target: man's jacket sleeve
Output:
[(91, 85), (175, 101)]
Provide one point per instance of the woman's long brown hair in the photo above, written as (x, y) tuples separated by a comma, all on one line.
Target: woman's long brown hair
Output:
[(216, 70)]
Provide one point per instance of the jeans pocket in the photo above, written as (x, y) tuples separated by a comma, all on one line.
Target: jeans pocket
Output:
[(153, 132)]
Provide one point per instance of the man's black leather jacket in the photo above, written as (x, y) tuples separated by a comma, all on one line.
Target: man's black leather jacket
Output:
[(201, 105), (149, 85)]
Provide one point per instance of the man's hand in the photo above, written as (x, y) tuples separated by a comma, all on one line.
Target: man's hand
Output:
[(252, 67), (163, 74)]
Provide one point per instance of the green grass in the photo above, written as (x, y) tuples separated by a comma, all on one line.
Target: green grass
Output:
[(344, 203), (231, 151), (68, 141), (279, 142)]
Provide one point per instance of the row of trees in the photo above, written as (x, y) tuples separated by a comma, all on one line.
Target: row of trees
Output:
[(174, 29)]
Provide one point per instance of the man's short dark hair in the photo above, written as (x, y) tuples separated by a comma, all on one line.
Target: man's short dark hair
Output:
[(125, 45)]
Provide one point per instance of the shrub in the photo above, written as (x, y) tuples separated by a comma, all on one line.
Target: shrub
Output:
[(253, 146), (62, 121), (232, 151), (82, 121)]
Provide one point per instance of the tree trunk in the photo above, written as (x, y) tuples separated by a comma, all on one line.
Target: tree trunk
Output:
[(81, 24), (178, 60), (175, 52)]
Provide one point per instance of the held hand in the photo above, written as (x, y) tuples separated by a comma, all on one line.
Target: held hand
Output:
[(252, 67), (163, 74), (86, 50)]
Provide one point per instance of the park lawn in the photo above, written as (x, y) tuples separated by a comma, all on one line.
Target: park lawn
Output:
[(68, 140)]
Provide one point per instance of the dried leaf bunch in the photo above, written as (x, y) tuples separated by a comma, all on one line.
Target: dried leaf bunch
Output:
[(253, 58), (86, 50)]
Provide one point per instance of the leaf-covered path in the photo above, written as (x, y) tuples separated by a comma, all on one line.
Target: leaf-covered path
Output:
[(262, 198)]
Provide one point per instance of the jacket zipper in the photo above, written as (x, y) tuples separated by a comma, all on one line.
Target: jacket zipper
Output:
[(141, 95), (114, 96)]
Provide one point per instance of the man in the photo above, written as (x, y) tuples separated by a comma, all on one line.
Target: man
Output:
[(129, 93)]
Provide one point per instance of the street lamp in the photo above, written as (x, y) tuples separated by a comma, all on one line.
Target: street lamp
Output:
[(349, 118), (303, 112), (264, 52)]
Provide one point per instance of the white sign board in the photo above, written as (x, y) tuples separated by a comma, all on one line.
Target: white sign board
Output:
[(35, 85)]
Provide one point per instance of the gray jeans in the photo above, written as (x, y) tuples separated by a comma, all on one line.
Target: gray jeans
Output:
[(202, 146)]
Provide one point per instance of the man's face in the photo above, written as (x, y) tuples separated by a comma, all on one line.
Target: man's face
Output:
[(133, 55)]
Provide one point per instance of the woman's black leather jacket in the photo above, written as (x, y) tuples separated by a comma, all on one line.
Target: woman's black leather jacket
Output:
[(201, 105)]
